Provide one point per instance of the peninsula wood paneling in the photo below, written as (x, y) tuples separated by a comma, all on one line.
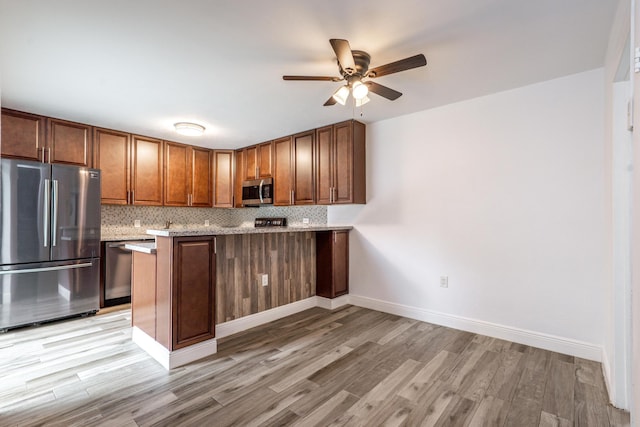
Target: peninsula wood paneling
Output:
[(288, 259)]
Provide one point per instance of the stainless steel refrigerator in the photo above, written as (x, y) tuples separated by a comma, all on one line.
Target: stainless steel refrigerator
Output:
[(49, 242)]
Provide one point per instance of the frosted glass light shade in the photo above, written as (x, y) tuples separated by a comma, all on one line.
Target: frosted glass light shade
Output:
[(361, 102), (189, 129), (341, 95), (360, 90)]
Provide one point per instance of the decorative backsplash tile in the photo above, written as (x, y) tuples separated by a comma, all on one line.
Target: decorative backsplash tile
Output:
[(115, 218)]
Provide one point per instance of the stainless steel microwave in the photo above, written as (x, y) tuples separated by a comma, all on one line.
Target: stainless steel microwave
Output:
[(257, 192)]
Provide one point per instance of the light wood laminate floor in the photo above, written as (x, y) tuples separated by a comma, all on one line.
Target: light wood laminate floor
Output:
[(348, 367)]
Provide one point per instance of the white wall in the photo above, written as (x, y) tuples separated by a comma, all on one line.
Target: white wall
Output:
[(504, 195)]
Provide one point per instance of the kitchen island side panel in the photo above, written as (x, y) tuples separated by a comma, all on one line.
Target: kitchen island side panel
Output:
[(288, 259)]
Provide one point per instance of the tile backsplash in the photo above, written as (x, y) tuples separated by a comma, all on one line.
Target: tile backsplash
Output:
[(115, 217)]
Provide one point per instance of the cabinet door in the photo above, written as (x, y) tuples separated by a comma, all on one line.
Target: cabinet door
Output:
[(201, 176), (112, 153), (332, 263), (22, 135), (343, 162), (340, 262), (193, 290), (69, 143), (143, 292), (176, 174), (223, 180), (324, 165), (251, 162), (282, 168), (349, 162), (239, 175), (303, 169), (146, 180), (264, 160)]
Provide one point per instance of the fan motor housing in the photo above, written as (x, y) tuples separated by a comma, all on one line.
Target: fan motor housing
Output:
[(362, 60)]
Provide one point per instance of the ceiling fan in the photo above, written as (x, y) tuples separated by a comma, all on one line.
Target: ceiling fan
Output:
[(354, 69)]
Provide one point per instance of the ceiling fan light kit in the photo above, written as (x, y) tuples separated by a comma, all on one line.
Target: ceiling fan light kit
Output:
[(189, 129), (353, 65)]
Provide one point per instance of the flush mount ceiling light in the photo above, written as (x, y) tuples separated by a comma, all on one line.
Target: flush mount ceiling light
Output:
[(189, 129)]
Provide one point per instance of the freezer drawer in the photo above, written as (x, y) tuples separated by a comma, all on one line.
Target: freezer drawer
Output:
[(39, 292)]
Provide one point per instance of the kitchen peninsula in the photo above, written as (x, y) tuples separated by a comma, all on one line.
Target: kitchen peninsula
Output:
[(192, 281)]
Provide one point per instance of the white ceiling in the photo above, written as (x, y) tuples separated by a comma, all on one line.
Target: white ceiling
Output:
[(142, 65)]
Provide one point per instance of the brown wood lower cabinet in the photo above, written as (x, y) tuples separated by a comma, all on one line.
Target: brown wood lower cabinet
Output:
[(173, 295), (143, 292), (332, 263)]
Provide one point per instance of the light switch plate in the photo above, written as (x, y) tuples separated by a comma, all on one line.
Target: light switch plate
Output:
[(136, 223)]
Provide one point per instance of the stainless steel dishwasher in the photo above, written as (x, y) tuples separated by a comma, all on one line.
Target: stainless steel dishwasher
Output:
[(117, 273)]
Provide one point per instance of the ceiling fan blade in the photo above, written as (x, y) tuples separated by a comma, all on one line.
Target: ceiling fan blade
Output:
[(401, 65), (383, 91), (330, 101), (345, 57), (318, 78)]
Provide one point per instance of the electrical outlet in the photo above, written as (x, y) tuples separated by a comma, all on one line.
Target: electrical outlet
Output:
[(136, 223), (206, 222), (265, 280), (444, 281), (305, 221)]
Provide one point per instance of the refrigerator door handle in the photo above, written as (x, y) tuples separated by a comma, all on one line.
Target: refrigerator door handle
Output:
[(47, 201), (38, 270), (54, 226)]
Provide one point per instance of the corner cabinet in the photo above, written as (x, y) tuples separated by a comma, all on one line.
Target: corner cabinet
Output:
[(332, 263), (340, 163)]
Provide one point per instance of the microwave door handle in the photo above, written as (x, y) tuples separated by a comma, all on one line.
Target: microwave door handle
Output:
[(260, 191)]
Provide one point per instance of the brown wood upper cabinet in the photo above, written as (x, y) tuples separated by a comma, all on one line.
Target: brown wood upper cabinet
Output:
[(201, 185), (32, 137), (258, 161), (187, 175), (239, 177), (223, 190), (112, 153), (23, 135), (303, 168), (340, 163), (282, 172), (146, 171), (294, 170)]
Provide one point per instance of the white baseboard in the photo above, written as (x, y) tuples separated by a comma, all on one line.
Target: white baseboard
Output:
[(173, 359), (251, 321), (522, 336), (332, 304), (606, 373)]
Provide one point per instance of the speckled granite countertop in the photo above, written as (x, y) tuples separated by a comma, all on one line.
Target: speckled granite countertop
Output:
[(218, 231), (110, 235), (178, 231)]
